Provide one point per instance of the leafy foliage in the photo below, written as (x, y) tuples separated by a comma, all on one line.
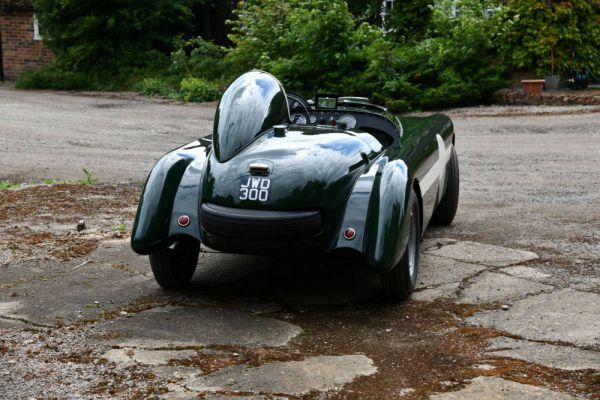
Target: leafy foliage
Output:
[(156, 87), (305, 44), (52, 78), (198, 90), (189, 89), (111, 37), (199, 58), (317, 45), (434, 53), (457, 63), (367, 10), (410, 19), (532, 28)]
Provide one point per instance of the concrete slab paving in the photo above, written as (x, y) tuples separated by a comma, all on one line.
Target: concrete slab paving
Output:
[(321, 373), (493, 388), (448, 290), (306, 282), (584, 282), (486, 254), (10, 315), (521, 271), (192, 326), (563, 315), (57, 292), (178, 394), (233, 397), (435, 243), (440, 270), (215, 268), (553, 356), (9, 308), (489, 287), (128, 356)]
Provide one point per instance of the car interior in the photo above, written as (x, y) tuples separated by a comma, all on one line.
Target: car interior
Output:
[(354, 114)]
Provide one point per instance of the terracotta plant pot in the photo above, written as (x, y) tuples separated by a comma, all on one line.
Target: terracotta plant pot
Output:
[(533, 86)]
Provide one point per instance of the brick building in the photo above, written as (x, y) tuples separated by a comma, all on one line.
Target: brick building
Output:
[(20, 42)]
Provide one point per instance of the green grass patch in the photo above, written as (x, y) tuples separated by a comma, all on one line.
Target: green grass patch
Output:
[(6, 184)]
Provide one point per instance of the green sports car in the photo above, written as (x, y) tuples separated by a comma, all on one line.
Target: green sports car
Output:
[(337, 177)]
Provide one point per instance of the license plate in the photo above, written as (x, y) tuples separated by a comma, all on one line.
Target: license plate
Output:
[(255, 188)]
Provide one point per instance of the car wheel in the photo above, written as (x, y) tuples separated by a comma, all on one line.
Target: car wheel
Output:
[(446, 210), (400, 282), (174, 266)]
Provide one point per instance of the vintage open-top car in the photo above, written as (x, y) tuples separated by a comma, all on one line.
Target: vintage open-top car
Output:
[(337, 177)]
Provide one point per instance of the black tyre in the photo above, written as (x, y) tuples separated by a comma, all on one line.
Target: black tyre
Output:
[(446, 210), (174, 266), (400, 282)]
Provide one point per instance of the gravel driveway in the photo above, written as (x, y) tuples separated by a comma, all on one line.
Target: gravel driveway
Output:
[(507, 306)]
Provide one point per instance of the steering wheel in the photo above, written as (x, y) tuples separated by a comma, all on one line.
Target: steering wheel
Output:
[(295, 100)]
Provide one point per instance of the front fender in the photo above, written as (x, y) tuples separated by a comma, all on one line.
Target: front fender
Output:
[(376, 210), (172, 189)]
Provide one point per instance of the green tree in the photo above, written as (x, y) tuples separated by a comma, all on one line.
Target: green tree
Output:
[(305, 44), (410, 19), (456, 64), (407, 19), (113, 36), (366, 10), (532, 28)]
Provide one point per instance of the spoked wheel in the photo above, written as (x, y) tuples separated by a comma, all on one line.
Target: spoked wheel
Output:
[(400, 282), (174, 266)]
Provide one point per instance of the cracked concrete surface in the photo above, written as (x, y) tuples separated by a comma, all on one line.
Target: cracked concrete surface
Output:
[(133, 356), (484, 254), (490, 287), (564, 315), (293, 377), (553, 356), (519, 261), (492, 388), (520, 271), (155, 328), (440, 270)]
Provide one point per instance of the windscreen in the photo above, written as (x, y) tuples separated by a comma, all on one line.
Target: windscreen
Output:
[(252, 104)]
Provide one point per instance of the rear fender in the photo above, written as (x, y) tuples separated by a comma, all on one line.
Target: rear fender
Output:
[(376, 210), (172, 189)]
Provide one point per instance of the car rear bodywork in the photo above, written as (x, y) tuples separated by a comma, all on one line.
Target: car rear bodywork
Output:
[(260, 187)]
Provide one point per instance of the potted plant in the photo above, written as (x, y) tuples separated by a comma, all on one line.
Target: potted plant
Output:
[(551, 81)]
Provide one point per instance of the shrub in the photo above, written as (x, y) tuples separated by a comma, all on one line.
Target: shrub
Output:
[(317, 45), (532, 28), (198, 90), (110, 38), (410, 19), (155, 87), (198, 57), (457, 64), (305, 44), (52, 78)]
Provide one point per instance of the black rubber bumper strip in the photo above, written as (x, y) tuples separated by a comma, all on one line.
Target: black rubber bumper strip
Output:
[(254, 225)]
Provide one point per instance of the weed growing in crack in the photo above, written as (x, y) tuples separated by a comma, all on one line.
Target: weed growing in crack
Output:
[(89, 177)]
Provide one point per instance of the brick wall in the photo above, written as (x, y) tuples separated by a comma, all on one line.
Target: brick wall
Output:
[(19, 50)]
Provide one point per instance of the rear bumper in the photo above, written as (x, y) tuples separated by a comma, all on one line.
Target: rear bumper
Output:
[(239, 230), (258, 225)]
